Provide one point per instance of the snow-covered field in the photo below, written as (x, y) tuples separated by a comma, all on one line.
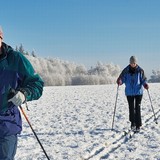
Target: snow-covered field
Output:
[(74, 123)]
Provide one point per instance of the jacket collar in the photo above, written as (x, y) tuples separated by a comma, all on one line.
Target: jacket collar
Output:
[(5, 49)]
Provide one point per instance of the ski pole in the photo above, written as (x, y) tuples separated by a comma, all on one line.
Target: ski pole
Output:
[(115, 107), (33, 131), (155, 119)]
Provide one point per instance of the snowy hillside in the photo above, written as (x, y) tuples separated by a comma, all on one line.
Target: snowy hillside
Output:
[(74, 123)]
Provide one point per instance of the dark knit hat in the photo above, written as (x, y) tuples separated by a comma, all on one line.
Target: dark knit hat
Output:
[(133, 59), (1, 33)]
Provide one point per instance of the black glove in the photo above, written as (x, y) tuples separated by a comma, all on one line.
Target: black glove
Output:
[(146, 86), (119, 81)]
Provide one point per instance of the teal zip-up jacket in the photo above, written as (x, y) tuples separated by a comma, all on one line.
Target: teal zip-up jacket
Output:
[(16, 73)]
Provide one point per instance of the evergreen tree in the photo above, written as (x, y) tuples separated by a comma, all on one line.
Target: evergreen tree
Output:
[(21, 49), (33, 54)]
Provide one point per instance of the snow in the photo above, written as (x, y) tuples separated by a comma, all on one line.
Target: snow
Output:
[(74, 123)]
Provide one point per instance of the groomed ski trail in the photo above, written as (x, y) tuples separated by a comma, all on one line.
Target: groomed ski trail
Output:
[(104, 151), (113, 142)]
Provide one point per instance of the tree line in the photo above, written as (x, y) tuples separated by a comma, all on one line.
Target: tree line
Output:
[(56, 72)]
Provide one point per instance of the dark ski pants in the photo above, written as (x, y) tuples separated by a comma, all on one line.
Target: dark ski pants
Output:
[(134, 103), (8, 147)]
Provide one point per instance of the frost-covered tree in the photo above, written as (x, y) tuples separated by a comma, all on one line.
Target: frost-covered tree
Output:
[(33, 54), (21, 49), (57, 72), (17, 48), (155, 77)]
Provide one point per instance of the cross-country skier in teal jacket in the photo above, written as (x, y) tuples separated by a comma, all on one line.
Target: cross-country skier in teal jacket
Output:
[(134, 79), (16, 73)]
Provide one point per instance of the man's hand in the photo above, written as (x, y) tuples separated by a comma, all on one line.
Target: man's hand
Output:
[(18, 99)]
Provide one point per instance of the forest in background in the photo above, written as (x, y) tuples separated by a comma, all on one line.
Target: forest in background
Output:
[(57, 72)]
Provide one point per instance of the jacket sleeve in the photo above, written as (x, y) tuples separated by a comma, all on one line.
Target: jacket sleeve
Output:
[(122, 75), (31, 83), (143, 77)]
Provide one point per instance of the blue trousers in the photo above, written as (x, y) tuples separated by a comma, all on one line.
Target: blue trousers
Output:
[(8, 147)]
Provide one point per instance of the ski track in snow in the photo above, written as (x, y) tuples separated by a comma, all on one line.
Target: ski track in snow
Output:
[(74, 122)]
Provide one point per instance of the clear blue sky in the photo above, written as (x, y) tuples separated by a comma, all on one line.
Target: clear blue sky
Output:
[(86, 31)]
